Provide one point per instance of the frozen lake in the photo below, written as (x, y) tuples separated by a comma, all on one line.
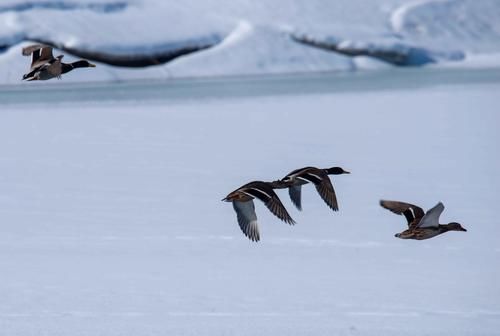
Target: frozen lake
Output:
[(111, 220), (241, 87)]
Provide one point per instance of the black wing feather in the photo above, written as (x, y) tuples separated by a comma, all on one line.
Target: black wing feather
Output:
[(327, 193), (278, 209), (295, 193), (410, 211)]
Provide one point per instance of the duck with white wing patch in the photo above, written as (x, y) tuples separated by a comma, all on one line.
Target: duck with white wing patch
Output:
[(242, 199), (45, 66), (420, 225)]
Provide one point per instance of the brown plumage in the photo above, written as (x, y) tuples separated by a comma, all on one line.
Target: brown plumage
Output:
[(40, 54), (45, 66), (242, 199), (421, 225)]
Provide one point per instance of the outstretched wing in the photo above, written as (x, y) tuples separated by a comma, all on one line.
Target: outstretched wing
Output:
[(32, 48), (311, 176), (295, 172), (327, 193), (266, 194), (40, 54), (278, 209), (295, 192), (410, 211), (247, 219), (431, 218), (30, 75), (46, 53)]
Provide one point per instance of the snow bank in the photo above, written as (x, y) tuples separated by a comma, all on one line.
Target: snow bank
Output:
[(121, 32), (135, 29), (469, 25), (251, 50), (387, 49)]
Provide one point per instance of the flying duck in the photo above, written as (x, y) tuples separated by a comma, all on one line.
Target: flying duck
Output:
[(420, 225), (242, 199), (44, 66), (319, 177)]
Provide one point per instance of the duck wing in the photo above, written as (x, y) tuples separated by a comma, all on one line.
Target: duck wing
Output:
[(312, 175), (30, 74), (46, 53), (40, 54), (327, 193), (278, 209), (322, 183), (410, 211), (247, 219), (264, 192), (431, 218), (32, 48), (295, 192), (295, 172)]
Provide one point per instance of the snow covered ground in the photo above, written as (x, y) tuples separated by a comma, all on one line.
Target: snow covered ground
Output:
[(111, 221), (249, 37), (111, 179)]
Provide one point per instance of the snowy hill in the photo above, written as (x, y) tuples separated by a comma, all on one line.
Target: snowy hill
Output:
[(245, 37)]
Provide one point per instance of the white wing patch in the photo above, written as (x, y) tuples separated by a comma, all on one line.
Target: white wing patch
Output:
[(261, 191), (412, 212), (431, 217), (316, 176)]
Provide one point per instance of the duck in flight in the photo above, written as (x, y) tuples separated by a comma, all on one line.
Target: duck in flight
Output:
[(317, 176), (45, 66), (242, 199), (420, 225)]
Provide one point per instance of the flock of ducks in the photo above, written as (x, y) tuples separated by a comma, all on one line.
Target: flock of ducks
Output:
[(421, 225), (45, 66)]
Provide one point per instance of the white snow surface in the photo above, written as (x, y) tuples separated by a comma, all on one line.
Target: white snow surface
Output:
[(111, 220), (274, 52), (442, 29), (469, 25)]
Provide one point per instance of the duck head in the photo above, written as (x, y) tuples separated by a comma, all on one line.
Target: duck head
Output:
[(83, 64), (454, 226), (336, 171)]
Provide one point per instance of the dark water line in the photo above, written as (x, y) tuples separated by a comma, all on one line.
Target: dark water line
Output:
[(109, 7), (241, 87)]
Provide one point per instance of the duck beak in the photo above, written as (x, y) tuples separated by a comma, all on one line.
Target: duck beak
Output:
[(91, 65), (462, 229), (346, 172)]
